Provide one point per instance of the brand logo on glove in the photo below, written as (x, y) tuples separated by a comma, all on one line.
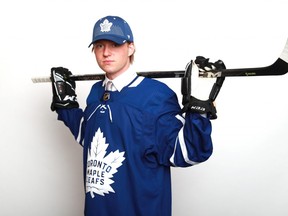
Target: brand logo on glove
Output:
[(69, 97), (198, 108)]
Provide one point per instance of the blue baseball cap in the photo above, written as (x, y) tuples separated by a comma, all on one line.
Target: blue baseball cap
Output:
[(112, 28)]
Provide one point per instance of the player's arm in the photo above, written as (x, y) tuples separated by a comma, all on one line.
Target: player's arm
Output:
[(180, 141), (190, 135)]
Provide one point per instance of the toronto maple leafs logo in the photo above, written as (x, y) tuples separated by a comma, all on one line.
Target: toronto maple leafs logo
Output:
[(105, 26), (101, 168)]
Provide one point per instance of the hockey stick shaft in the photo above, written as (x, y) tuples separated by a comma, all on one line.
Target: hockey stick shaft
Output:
[(279, 67)]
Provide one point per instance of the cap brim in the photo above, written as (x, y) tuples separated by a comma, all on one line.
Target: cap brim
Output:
[(115, 39)]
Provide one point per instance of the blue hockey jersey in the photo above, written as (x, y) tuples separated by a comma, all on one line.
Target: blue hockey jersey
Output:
[(131, 139)]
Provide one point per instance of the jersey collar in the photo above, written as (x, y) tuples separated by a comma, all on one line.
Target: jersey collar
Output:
[(123, 79)]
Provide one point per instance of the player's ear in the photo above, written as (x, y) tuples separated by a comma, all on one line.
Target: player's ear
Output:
[(131, 48)]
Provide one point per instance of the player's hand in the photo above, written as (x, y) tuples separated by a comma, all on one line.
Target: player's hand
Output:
[(63, 89)]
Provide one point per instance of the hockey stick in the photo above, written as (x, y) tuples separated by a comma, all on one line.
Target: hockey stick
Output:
[(279, 67)]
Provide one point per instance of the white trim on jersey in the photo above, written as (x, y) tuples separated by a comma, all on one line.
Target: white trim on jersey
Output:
[(93, 112), (181, 141), (78, 139), (136, 82)]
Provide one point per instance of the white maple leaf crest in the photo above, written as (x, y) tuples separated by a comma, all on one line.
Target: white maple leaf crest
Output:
[(106, 26), (101, 168)]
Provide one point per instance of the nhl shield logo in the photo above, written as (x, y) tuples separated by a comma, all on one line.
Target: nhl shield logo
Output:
[(106, 96)]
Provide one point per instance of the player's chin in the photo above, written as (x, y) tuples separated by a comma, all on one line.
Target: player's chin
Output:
[(110, 72), (109, 68)]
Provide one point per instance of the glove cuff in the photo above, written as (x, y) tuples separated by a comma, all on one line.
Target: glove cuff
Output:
[(202, 107), (63, 105)]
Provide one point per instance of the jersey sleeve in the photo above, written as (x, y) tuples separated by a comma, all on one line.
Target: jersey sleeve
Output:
[(180, 141), (193, 143), (73, 119)]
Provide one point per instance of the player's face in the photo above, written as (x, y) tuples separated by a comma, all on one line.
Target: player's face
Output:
[(113, 58)]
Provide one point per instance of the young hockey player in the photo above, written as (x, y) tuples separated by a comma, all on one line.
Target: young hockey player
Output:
[(132, 130)]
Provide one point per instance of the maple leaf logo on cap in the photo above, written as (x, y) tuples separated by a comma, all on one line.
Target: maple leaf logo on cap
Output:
[(106, 26)]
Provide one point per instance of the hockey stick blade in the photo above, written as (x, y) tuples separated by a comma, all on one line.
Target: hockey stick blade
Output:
[(279, 67)]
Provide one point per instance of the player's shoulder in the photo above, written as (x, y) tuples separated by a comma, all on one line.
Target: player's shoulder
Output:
[(96, 92), (153, 84), (158, 95), (152, 90), (98, 84)]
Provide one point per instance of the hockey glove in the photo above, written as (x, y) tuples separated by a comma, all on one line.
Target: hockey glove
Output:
[(63, 88), (200, 102)]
